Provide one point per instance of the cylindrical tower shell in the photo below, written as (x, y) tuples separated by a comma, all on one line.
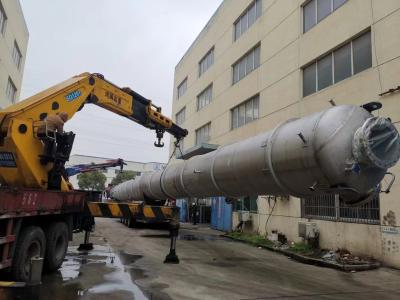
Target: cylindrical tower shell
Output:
[(343, 150)]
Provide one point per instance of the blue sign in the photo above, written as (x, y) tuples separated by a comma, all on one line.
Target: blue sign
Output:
[(73, 95)]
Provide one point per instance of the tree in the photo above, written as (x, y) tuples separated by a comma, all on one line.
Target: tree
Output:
[(124, 176), (93, 181)]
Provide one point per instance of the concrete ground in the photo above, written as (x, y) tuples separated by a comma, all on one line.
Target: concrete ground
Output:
[(213, 267), (128, 264)]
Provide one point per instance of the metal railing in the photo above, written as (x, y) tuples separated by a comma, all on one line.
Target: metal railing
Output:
[(330, 207)]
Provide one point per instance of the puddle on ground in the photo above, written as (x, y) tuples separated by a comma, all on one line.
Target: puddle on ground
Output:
[(97, 274)]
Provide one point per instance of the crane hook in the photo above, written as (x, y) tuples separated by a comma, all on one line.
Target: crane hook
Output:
[(159, 144), (159, 135)]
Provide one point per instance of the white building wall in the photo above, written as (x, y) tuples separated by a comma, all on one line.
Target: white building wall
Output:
[(15, 31), (285, 49)]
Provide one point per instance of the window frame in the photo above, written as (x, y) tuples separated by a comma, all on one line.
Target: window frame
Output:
[(17, 55), (240, 204), (352, 51), (184, 81), (303, 15), (332, 10), (331, 53), (314, 64), (237, 109), (209, 87), (178, 114), (198, 130), (318, 20), (243, 59), (5, 18), (257, 15), (11, 84), (336, 78), (204, 59)]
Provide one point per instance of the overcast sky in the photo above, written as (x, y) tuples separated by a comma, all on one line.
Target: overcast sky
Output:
[(134, 43)]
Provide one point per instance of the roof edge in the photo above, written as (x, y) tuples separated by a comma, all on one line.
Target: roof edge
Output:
[(202, 32)]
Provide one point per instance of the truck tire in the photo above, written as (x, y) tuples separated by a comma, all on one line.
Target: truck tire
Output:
[(56, 245), (31, 242)]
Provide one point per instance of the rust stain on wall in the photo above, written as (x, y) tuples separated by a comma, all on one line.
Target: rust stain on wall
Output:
[(389, 219), (390, 245)]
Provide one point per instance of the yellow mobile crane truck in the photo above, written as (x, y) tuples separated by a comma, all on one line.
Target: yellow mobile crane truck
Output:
[(39, 210)]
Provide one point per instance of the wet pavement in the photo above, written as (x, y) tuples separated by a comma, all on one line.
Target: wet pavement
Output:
[(128, 264), (97, 274)]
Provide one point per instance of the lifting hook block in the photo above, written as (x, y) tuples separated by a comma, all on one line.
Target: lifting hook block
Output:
[(159, 135)]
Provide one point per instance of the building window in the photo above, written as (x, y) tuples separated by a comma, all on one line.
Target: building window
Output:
[(11, 90), (245, 112), (204, 98), (246, 204), (344, 62), (206, 62), (244, 66), (247, 19), (16, 55), (180, 116), (330, 207), (315, 11), (362, 53), (203, 134), (3, 19), (182, 87)]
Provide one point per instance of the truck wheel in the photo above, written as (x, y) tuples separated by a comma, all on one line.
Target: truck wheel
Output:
[(30, 243), (56, 246)]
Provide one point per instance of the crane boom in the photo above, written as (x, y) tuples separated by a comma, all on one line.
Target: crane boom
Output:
[(85, 168), (23, 162)]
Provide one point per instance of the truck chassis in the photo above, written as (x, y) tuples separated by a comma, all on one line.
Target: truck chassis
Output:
[(40, 223)]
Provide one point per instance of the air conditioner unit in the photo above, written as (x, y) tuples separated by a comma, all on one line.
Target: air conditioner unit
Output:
[(244, 216), (307, 230)]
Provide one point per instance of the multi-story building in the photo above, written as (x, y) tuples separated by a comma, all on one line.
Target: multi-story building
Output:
[(13, 45), (260, 62), (110, 173)]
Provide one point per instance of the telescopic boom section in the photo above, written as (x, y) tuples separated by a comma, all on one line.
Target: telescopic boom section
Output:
[(23, 162), (85, 168)]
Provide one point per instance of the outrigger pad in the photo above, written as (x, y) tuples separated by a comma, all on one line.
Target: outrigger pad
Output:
[(171, 258), (85, 247)]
